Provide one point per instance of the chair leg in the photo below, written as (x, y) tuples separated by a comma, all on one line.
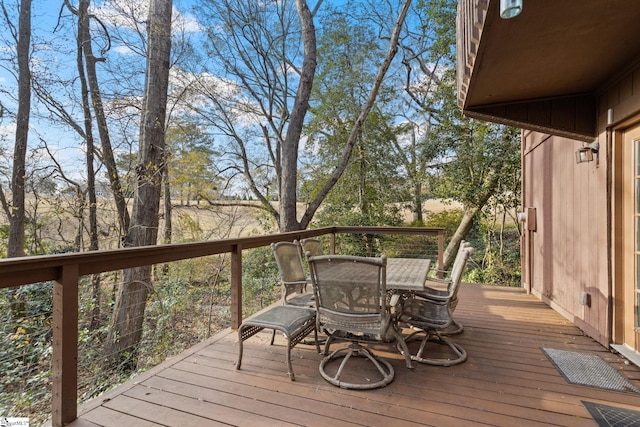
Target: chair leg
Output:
[(315, 340), (327, 343), (239, 349), (292, 376), (438, 338), (404, 350), (355, 349), (456, 328)]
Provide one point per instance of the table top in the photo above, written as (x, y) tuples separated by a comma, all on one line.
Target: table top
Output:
[(403, 274), (407, 274)]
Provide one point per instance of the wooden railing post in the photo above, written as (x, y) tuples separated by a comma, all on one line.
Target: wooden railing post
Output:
[(332, 243), (65, 347), (236, 286)]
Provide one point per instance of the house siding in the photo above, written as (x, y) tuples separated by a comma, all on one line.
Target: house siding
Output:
[(568, 252)]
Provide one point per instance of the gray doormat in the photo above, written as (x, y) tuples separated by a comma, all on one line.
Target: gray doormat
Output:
[(588, 369), (610, 416)]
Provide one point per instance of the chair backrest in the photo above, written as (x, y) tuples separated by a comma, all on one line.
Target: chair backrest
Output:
[(446, 274), (464, 245), (458, 270), (289, 262), (350, 293), (314, 246)]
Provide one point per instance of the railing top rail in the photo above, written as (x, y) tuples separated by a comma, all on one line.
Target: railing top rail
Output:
[(431, 231), (32, 269)]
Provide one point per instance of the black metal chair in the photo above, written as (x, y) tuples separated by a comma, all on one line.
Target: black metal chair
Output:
[(439, 286), (432, 314), (293, 278), (351, 305), (313, 246)]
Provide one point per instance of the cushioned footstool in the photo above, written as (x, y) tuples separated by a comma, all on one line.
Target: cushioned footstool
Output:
[(295, 322)]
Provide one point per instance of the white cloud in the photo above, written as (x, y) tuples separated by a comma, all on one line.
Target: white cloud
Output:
[(8, 131), (186, 22), (124, 50), (132, 14), (123, 13)]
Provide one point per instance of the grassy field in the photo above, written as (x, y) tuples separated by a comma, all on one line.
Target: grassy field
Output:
[(54, 223)]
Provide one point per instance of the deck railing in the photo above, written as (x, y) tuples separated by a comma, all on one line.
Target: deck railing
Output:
[(65, 270)]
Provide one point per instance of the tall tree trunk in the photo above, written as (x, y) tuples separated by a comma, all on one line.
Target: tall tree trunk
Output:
[(362, 183), (486, 190), (167, 206), (103, 131), (469, 212), (84, 49), (168, 229), (289, 177), (417, 203), (17, 214), (128, 316)]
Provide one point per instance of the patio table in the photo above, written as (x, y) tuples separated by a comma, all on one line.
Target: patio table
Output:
[(407, 274), (403, 274)]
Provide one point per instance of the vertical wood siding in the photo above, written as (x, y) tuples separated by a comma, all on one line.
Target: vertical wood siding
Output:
[(568, 249), (568, 253)]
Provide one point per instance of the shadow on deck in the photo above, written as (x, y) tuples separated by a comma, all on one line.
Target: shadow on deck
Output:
[(506, 381)]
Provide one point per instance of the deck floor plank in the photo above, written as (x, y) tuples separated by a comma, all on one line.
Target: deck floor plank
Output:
[(438, 393), (507, 379), (104, 416), (157, 410), (323, 398)]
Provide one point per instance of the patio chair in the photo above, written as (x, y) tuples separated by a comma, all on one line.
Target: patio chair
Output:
[(292, 275), (314, 246), (351, 305), (431, 314), (439, 286)]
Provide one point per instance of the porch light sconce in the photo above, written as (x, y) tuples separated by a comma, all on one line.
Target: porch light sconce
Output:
[(510, 8), (585, 154)]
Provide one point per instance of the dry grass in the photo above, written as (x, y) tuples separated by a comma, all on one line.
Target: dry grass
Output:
[(58, 221)]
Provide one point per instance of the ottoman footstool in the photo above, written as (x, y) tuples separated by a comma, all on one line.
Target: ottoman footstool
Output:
[(294, 322)]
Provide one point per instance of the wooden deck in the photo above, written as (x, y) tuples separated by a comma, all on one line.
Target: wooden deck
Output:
[(507, 380)]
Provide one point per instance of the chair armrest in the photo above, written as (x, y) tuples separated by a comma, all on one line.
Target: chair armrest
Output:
[(438, 281), (432, 297)]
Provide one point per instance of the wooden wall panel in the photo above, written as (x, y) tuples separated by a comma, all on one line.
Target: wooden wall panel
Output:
[(571, 116), (567, 252), (626, 88), (622, 96)]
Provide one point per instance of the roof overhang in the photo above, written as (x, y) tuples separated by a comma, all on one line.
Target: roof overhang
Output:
[(544, 69)]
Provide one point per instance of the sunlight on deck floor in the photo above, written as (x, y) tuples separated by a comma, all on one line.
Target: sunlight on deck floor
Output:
[(506, 381)]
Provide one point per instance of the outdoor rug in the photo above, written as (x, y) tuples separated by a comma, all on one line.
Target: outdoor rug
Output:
[(588, 369), (610, 416)]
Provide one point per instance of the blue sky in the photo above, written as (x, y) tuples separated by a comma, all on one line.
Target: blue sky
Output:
[(45, 18), (67, 144)]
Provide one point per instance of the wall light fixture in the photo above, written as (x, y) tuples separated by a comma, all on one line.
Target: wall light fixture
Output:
[(585, 154), (510, 8)]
